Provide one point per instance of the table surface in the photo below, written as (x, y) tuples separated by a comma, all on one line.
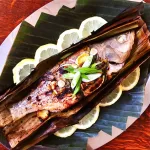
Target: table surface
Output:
[(137, 137)]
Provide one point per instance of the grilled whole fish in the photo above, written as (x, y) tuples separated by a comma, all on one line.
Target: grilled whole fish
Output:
[(49, 96)]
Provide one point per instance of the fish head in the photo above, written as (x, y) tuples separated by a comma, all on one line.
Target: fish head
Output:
[(116, 49)]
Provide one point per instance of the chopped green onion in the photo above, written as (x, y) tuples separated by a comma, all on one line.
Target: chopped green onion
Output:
[(68, 75), (84, 76), (88, 70), (95, 64), (77, 88), (91, 77), (88, 61), (70, 69), (75, 79)]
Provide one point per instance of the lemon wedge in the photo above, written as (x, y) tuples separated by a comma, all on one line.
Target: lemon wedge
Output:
[(68, 38), (65, 132), (23, 69), (112, 97), (88, 120), (44, 52), (131, 80), (89, 25)]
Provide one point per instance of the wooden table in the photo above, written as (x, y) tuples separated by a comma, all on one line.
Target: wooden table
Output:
[(137, 137)]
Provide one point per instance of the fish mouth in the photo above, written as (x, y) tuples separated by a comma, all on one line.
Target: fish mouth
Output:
[(117, 63)]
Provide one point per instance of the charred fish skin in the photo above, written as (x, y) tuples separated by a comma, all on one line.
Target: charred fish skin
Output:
[(48, 95)]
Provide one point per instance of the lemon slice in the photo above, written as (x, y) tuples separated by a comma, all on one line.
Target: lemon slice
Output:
[(112, 97), (88, 120), (65, 132), (131, 80), (23, 69), (44, 52), (89, 25), (68, 38)]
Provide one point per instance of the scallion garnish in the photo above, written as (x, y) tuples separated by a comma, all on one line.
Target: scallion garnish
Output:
[(88, 61), (77, 88), (68, 75), (86, 73), (91, 77), (88, 70), (75, 79), (84, 76), (70, 69), (95, 64)]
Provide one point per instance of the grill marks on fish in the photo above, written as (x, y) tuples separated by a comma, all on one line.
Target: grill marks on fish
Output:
[(39, 101), (48, 95)]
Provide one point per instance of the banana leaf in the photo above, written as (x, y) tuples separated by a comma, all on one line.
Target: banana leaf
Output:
[(108, 129), (65, 16)]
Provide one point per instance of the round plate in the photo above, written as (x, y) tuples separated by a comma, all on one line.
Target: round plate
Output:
[(113, 120)]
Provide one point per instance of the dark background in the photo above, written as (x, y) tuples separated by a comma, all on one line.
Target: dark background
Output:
[(137, 137)]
